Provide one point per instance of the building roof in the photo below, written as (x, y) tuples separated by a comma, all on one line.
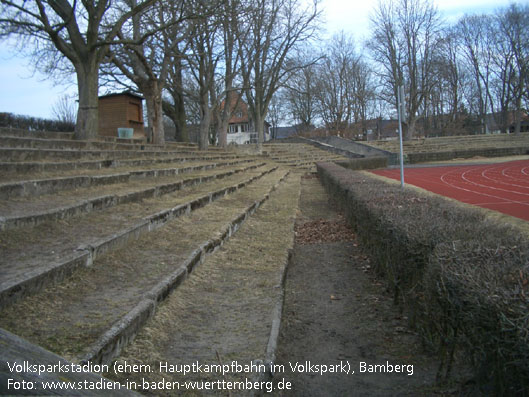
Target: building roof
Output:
[(127, 93), (238, 110)]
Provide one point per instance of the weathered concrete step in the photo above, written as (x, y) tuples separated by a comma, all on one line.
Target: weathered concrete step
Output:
[(60, 144), (71, 317), (17, 350), (17, 132), (11, 169), (230, 306), (293, 152), (316, 152), (77, 169), (28, 154), (110, 344), (296, 153), (27, 167), (303, 162), (23, 187), (285, 160), (309, 157), (122, 140), (32, 211), (33, 257), (68, 144)]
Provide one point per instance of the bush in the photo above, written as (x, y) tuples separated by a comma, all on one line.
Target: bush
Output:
[(462, 279), (365, 163), (14, 121)]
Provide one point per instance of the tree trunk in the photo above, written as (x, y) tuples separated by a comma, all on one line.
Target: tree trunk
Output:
[(203, 135), (180, 111), (259, 125), (180, 119), (222, 133), (517, 116), (153, 100), (410, 129), (87, 126), (230, 105), (176, 112)]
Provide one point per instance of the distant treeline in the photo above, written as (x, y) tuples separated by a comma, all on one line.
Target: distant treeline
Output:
[(11, 120)]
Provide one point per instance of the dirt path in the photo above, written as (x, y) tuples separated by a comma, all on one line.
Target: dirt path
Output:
[(336, 312)]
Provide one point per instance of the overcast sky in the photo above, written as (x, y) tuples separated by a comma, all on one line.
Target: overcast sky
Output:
[(35, 95)]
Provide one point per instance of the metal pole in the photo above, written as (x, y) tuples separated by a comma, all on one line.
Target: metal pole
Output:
[(400, 108)]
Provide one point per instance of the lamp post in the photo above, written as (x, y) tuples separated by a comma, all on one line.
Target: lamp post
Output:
[(401, 106)]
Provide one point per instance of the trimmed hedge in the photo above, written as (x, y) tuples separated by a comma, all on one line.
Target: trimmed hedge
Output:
[(16, 121), (365, 163), (463, 279)]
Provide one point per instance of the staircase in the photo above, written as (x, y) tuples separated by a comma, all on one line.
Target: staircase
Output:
[(95, 235)]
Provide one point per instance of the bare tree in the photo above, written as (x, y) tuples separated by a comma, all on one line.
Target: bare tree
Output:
[(173, 103), (232, 15), (65, 110), (477, 50), (276, 114), (364, 92), (335, 83), (343, 85), (146, 59), (300, 96), (277, 29), (79, 31), (402, 43), (203, 56), (444, 104), (513, 28)]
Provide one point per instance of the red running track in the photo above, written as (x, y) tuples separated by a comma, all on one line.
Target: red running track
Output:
[(502, 187)]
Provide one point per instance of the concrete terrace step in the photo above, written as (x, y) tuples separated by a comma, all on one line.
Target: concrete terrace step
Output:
[(24, 185), (40, 255), (16, 349), (69, 144), (281, 153), (95, 312), (32, 211), (232, 303), (47, 143), (312, 160), (315, 156), (122, 140), (10, 169), (456, 142), (28, 154)]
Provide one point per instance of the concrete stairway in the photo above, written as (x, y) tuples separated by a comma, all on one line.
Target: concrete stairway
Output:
[(299, 155), (95, 235), (89, 247), (422, 145)]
